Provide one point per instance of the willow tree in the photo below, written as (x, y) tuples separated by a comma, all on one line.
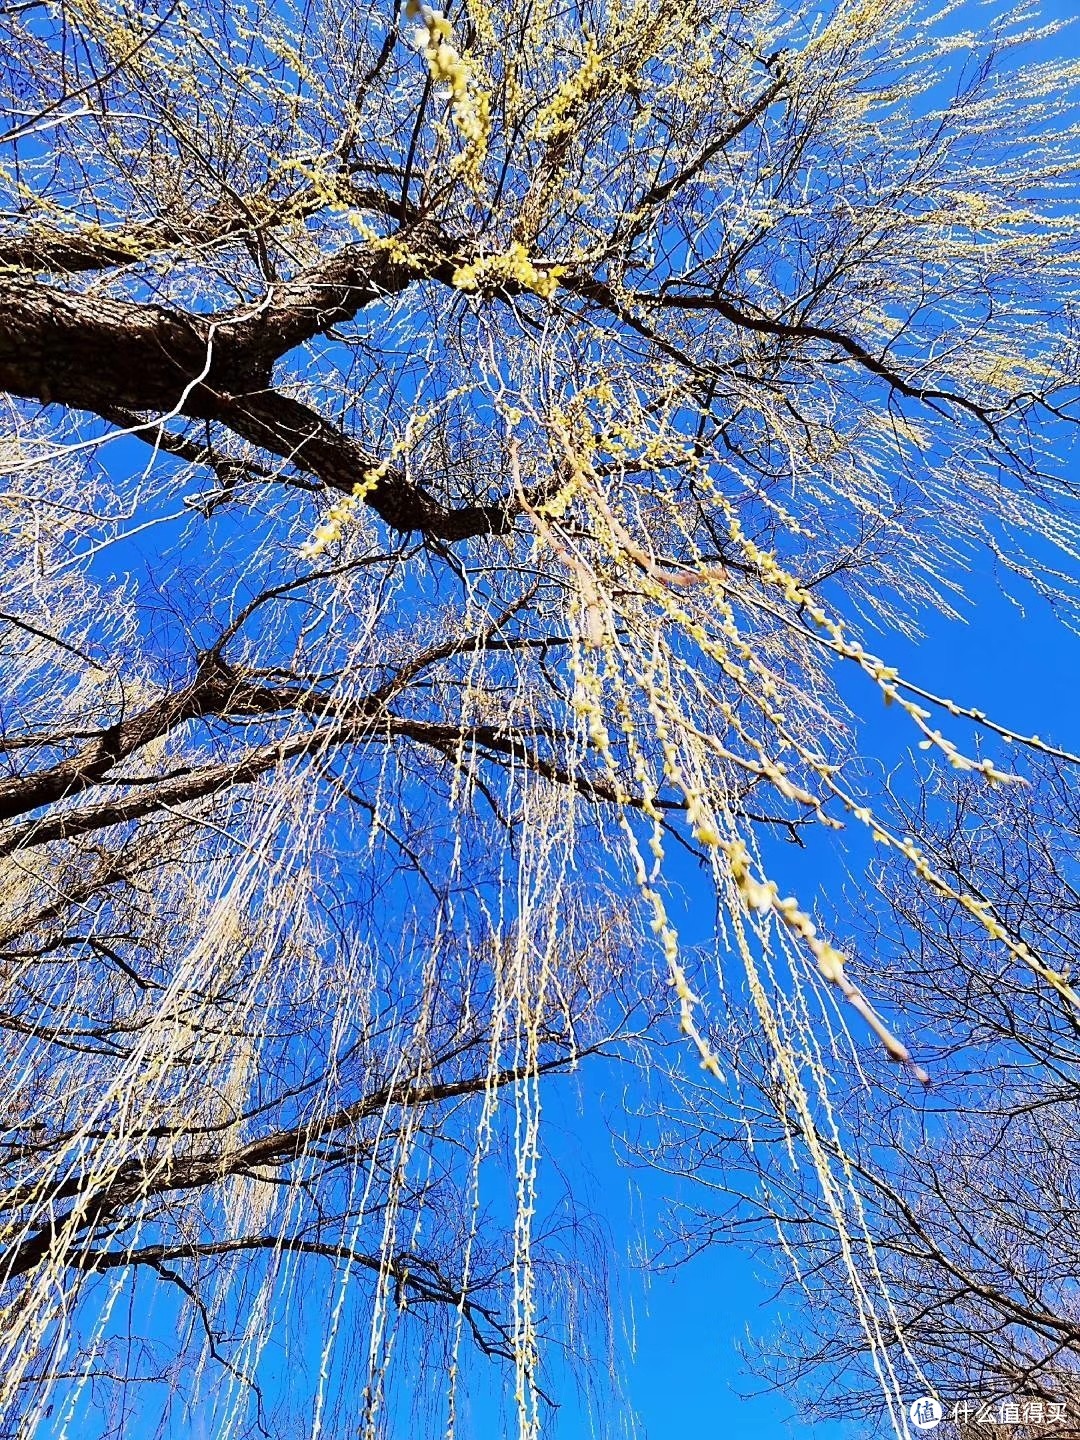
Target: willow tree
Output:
[(454, 462)]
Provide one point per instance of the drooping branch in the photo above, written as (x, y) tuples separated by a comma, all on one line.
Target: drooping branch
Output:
[(100, 1200), (415, 1278)]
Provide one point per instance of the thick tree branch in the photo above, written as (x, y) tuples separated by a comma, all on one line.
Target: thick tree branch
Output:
[(115, 357)]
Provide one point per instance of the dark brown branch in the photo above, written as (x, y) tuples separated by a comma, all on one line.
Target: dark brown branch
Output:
[(118, 358), (660, 192), (137, 1180), (801, 330), (358, 723)]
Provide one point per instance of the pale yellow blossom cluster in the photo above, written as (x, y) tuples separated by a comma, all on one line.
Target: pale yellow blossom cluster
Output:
[(329, 530), (558, 114), (764, 897), (513, 264), (470, 106)]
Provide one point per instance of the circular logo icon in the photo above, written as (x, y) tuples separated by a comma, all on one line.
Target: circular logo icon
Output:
[(926, 1413)]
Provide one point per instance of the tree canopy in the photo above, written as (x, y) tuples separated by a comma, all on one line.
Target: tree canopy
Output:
[(463, 474)]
